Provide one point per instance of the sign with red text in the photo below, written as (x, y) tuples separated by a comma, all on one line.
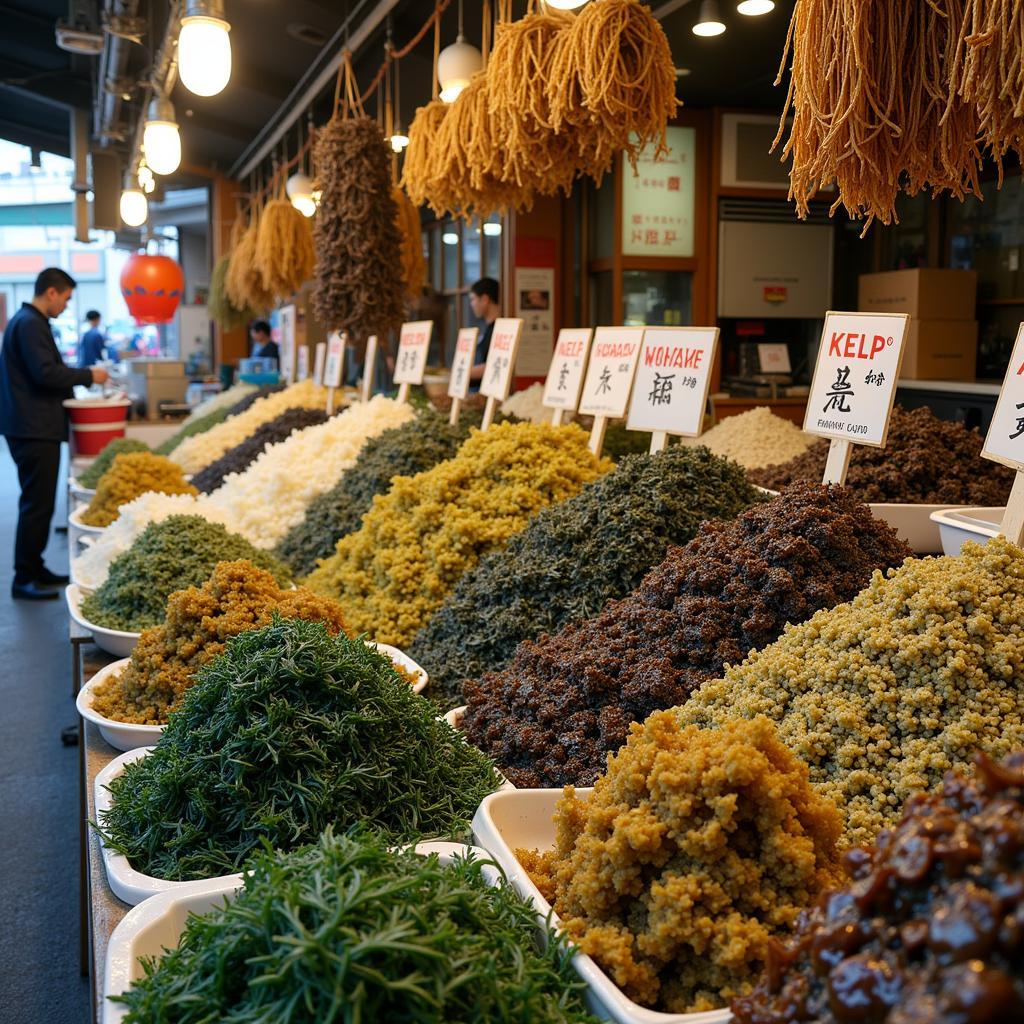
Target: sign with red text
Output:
[(319, 361), (568, 364), (1005, 439), (335, 359), (462, 362), (501, 358), (609, 380), (855, 376), (672, 381), (413, 346), (658, 200)]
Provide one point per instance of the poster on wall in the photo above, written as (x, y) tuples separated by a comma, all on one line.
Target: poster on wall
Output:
[(535, 306), (658, 200)]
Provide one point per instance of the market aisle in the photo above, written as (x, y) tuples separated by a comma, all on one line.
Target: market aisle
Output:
[(39, 974)]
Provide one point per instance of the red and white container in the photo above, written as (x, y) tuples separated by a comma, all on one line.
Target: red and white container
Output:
[(95, 422)]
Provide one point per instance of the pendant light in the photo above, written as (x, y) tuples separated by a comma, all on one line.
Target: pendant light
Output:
[(709, 23), (300, 191), (753, 8), (147, 182), (160, 137), (457, 64), (134, 207), (204, 48)]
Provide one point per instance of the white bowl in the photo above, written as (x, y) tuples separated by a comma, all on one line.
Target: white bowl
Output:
[(403, 659), (454, 717), (118, 642), (523, 818), (77, 530), (120, 735), (957, 525), (158, 923)]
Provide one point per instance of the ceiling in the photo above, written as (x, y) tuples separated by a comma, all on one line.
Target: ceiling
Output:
[(278, 46)]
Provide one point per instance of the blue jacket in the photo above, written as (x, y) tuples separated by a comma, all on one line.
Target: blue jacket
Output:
[(34, 380), (90, 348)]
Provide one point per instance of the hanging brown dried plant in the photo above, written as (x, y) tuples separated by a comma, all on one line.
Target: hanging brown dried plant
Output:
[(284, 256), (244, 283), (420, 155), (358, 287), (220, 308), (414, 266)]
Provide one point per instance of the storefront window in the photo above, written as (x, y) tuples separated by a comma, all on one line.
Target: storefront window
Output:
[(656, 298)]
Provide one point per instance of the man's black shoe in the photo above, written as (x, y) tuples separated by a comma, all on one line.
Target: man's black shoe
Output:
[(33, 592), (52, 579)]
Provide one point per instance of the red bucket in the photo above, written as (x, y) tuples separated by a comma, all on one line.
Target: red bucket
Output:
[(95, 422)]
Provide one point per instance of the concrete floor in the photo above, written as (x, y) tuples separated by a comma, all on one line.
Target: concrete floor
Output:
[(39, 959)]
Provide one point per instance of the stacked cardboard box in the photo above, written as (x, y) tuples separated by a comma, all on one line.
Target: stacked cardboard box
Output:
[(942, 339)]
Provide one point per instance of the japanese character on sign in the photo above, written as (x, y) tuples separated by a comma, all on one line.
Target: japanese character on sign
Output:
[(604, 384), (840, 391), (661, 389), (1020, 423), (875, 378), (563, 373)]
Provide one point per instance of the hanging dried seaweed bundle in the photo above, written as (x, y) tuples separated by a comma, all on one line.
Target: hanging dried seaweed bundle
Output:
[(244, 283), (284, 256), (220, 308), (414, 266), (900, 97), (358, 286)]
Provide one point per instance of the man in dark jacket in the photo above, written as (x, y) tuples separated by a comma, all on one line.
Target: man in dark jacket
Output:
[(34, 382), (92, 344)]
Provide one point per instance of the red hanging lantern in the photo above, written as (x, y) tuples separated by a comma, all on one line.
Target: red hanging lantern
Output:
[(152, 287)]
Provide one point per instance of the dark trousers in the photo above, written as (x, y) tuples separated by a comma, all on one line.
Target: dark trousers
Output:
[(38, 465)]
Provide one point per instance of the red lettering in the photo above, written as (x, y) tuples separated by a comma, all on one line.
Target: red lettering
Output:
[(833, 345), (877, 345), (570, 349), (1021, 370)]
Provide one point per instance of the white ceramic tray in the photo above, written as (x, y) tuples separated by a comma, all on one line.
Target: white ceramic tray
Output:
[(118, 642), (121, 735), (410, 666), (157, 924), (957, 525), (454, 717), (77, 530), (523, 818)]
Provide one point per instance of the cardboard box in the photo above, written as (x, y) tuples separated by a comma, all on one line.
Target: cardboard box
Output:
[(928, 294), (941, 350)]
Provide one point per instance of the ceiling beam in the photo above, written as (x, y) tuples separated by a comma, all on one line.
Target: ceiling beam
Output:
[(34, 137)]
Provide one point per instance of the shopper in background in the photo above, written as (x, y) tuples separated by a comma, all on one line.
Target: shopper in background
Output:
[(483, 301), (34, 381), (262, 345), (92, 344)]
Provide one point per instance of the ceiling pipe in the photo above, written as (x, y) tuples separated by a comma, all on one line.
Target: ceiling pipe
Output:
[(112, 64)]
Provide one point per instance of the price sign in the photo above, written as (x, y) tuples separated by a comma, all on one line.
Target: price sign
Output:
[(854, 383), (1005, 439), (565, 374), (609, 379), (462, 362), (501, 361), (369, 367), (672, 382), (286, 320), (302, 362), (413, 345), (773, 358), (318, 362), (335, 359)]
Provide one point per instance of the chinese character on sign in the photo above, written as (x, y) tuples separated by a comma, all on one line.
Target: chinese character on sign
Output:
[(1020, 423), (604, 385), (406, 359), (875, 378), (563, 373), (652, 236), (460, 372), (661, 390), (841, 390), (499, 364)]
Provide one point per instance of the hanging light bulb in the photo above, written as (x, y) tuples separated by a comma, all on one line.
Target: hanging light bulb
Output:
[(204, 48), (147, 182), (456, 65), (709, 23), (300, 191), (752, 8), (398, 141), (160, 137), (133, 206)]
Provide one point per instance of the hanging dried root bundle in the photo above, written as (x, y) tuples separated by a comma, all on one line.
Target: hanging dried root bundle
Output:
[(244, 283), (421, 153), (357, 241), (220, 308), (407, 220), (284, 256)]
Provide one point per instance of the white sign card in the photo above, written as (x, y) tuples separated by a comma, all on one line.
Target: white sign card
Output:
[(1005, 439), (609, 380), (501, 358), (319, 360), (773, 357), (462, 362), (369, 367), (568, 365), (535, 306), (302, 363), (413, 345), (673, 378), (286, 320), (855, 376), (335, 359)]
